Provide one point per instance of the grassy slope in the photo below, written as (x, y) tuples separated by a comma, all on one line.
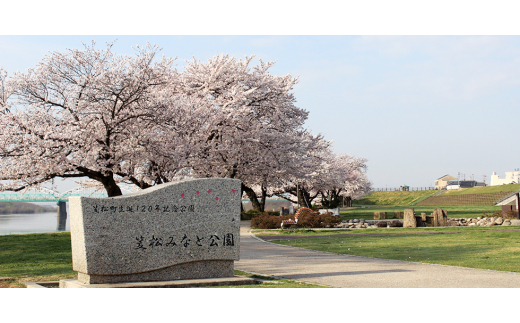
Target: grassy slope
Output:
[(393, 197), (474, 249), (413, 197), (485, 189)]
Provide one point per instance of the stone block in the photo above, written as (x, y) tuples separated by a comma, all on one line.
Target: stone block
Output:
[(379, 215), (409, 220), (183, 230), (515, 222), (440, 217)]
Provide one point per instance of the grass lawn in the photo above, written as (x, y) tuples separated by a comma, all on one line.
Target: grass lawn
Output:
[(485, 248), (382, 231), (35, 257), (48, 257), (367, 212)]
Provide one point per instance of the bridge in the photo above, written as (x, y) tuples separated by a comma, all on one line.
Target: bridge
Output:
[(47, 195)]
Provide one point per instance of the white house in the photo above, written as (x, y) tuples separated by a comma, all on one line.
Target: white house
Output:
[(511, 178)]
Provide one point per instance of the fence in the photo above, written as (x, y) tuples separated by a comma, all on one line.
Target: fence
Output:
[(401, 189)]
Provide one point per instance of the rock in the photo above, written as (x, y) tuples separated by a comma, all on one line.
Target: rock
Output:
[(515, 222), (472, 225), (440, 218), (409, 220), (499, 221), (355, 221), (506, 224), (379, 215)]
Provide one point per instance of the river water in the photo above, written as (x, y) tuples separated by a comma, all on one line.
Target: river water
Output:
[(30, 223)]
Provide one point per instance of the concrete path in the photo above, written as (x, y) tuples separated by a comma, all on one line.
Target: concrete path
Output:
[(358, 272)]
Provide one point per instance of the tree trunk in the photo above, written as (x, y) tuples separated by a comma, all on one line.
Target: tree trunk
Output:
[(111, 186), (348, 201), (263, 198), (253, 198), (301, 202)]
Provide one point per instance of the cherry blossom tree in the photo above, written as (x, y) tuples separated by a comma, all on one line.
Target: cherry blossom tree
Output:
[(119, 119), (335, 177), (5, 92), (255, 132), (83, 113), (346, 178)]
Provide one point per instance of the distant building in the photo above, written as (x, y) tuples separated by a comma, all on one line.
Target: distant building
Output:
[(441, 183), (511, 178), (454, 185)]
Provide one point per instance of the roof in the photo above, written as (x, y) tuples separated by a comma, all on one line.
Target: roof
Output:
[(447, 175), (466, 184)]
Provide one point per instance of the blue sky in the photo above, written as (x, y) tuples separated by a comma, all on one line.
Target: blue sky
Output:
[(417, 107)]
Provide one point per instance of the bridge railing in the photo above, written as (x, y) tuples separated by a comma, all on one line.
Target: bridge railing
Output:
[(47, 195)]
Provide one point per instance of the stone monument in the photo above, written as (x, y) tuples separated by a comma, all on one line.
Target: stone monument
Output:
[(440, 218), (409, 220), (379, 215), (174, 231)]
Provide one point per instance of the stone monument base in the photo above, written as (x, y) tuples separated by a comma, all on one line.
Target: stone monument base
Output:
[(190, 270), (206, 282)]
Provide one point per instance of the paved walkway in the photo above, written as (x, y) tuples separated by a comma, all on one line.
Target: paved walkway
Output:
[(358, 272)]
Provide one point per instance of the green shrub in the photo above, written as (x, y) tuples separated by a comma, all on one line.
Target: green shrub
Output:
[(267, 221), (316, 220), (396, 224), (509, 214), (498, 213), (249, 214), (252, 213), (382, 224)]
